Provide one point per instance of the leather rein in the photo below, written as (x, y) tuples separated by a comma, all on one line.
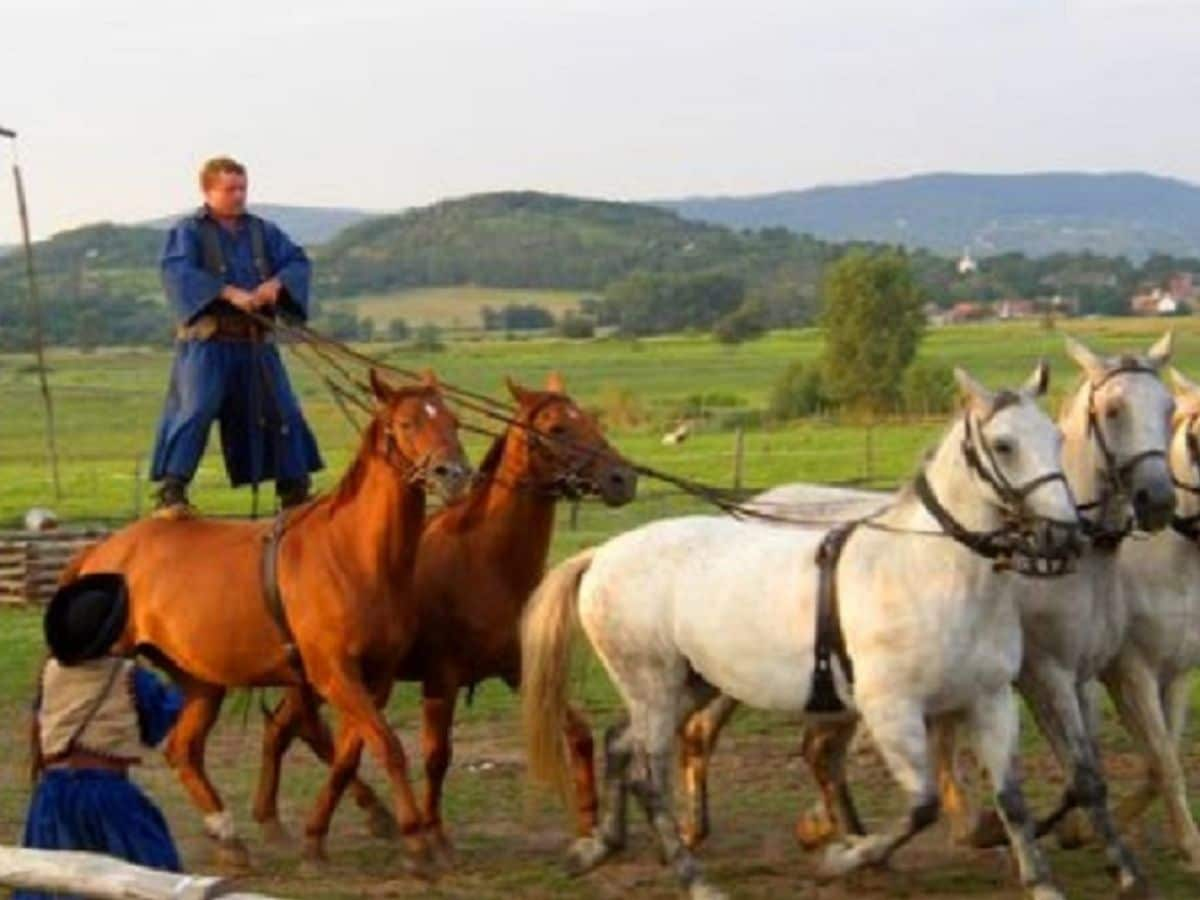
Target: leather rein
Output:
[(1116, 472)]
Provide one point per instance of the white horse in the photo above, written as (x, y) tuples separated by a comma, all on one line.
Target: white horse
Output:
[(681, 609), (1121, 617)]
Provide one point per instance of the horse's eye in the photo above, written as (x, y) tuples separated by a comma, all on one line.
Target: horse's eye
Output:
[(1003, 446), (558, 430), (1113, 411)]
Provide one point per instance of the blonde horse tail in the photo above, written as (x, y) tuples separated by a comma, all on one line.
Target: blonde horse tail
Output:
[(546, 636)]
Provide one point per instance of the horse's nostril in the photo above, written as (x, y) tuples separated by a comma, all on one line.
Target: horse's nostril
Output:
[(1141, 497)]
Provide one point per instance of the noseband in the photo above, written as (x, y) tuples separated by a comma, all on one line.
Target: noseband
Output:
[(568, 481), (1116, 473), (1013, 545)]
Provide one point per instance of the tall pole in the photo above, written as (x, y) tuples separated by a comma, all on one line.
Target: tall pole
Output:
[(35, 314)]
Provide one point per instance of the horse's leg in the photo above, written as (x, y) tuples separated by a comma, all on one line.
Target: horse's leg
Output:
[(824, 747), (659, 726), (967, 826), (995, 727), (1135, 692), (589, 851), (297, 715), (698, 740), (185, 753), (362, 721), (438, 699), (581, 749), (897, 726), (1061, 713)]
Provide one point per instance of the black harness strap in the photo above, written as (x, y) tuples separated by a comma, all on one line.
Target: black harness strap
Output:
[(273, 594), (830, 642)]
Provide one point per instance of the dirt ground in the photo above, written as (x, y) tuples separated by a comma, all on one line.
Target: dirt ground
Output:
[(510, 838)]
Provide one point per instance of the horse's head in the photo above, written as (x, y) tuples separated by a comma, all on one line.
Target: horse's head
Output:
[(1014, 451), (1125, 411), (568, 452), (1185, 444), (419, 434)]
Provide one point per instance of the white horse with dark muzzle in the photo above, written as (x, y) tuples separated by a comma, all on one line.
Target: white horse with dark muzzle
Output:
[(681, 609)]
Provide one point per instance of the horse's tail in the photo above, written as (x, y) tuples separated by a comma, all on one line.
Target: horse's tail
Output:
[(546, 637)]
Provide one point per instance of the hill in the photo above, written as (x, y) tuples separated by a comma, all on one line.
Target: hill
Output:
[(1127, 214), (308, 225)]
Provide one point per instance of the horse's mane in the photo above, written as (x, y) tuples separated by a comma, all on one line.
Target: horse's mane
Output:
[(352, 480)]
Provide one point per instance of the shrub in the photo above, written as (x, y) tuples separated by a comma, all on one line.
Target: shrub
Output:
[(798, 391), (927, 388)]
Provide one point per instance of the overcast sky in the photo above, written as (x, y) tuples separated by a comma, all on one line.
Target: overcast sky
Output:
[(390, 104)]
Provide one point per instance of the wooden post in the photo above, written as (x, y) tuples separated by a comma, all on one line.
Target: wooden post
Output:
[(105, 878), (137, 486), (869, 454), (35, 314), (739, 456)]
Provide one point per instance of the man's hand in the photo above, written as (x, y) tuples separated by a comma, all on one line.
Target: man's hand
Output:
[(267, 293), (243, 300)]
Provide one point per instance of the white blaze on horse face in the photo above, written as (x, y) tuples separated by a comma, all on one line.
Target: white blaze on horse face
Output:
[(431, 410), (1026, 445)]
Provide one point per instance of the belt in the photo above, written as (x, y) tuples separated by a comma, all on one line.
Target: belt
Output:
[(223, 327), (82, 759)]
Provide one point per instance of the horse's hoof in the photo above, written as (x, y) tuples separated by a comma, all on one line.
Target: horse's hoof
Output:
[(422, 867), (702, 890), (273, 833), (837, 861), (693, 837), (813, 830), (441, 848), (989, 832), (1045, 892), (381, 824), (586, 853), (231, 856), (314, 854), (1074, 831)]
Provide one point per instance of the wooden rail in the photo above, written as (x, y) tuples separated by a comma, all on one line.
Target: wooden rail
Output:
[(105, 878), (31, 561)]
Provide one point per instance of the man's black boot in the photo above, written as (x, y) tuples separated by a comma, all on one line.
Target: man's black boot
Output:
[(173, 499), (292, 491)]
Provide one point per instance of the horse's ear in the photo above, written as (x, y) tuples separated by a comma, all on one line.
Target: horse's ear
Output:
[(518, 393), (1184, 386), (380, 388), (429, 379), (1091, 364), (555, 383), (1160, 354), (1036, 384), (977, 396)]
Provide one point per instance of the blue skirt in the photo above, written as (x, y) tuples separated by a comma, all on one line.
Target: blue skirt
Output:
[(97, 811)]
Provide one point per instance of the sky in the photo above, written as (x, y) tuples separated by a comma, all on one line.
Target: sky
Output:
[(385, 105)]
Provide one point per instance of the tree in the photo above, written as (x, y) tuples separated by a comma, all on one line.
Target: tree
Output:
[(90, 331), (873, 324), (341, 325), (366, 330), (928, 388), (429, 339), (796, 392), (576, 326), (398, 330), (745, 323)]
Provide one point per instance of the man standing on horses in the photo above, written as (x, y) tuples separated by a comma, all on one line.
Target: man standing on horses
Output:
[(223, 269)]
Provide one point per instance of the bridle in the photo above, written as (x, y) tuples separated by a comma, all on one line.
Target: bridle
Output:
[(414, 471), (1014, 545), (1189, 526), (570, 480), (1116, 473)]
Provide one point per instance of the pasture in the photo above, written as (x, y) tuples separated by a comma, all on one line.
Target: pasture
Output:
[(509, 838), (458, 308)]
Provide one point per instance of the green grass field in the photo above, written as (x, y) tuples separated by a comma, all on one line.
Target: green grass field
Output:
[(107, 405), (456, 308)]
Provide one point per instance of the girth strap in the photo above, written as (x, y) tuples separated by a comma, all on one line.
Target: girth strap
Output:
[(273, 594), (830, 642)]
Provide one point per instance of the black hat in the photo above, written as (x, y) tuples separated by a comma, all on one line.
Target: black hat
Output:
[(86, 617)]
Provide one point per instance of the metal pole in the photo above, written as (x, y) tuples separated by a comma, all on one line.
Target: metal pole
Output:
[(35, 314)]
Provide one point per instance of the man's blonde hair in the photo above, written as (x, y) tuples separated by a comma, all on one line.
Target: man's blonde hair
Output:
[(217, 165)]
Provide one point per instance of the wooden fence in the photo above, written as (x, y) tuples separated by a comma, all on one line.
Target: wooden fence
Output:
[(30, 561), (105, 878)]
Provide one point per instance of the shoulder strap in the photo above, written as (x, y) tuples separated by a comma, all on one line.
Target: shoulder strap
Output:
[(830, 641), (210, 245), (274, 594), (258, 246), (97, 701)]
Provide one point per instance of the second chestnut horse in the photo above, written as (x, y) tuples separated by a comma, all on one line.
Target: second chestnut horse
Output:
[(478, 562)]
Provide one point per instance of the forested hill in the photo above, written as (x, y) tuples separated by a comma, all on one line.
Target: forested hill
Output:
[(307, 225), (1131, 214), (527, 239)]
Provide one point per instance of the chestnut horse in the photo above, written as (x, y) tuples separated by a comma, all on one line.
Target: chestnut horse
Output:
[(198, 602), (477, 564)]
